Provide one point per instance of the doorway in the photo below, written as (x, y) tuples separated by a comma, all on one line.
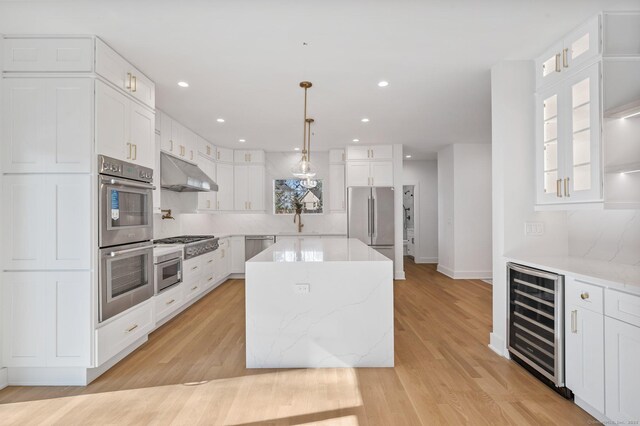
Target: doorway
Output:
[(409, 225)]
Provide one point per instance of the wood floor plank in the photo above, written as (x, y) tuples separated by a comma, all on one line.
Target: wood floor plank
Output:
[(192, 371)]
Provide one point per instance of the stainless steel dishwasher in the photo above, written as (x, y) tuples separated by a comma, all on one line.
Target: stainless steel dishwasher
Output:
[(254, 244)]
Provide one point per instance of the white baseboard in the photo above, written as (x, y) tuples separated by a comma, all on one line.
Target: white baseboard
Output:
[(94, 373), (47, 376), (399, 275), (236, 276), (4, 378), (496, 344), (426, 260), (592, 411), (464, 275)]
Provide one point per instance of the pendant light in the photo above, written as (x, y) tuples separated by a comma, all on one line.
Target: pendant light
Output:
[(308, 182), (303, 169)]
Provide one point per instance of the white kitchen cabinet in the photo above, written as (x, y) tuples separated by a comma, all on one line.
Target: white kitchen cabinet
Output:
[(224, 179), (209, 269), (568, 54), (244, 156), (168, 134), (369, 173), (27, 54), (206, 148), (157, 192), (168, 302), (207, 201), (123, 75), (237, 255), (124, 129), (622, 375), (584, 355), (46, 319), (46, 224), (569, 122), (337, 190), (224, 266), (337, 156), (249, 187), (224, 155), (370, 152), (193, 271), (46, 125), (116, 335), (190, 144)]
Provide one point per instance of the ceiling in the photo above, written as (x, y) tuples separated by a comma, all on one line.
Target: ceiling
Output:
[(244, 59)]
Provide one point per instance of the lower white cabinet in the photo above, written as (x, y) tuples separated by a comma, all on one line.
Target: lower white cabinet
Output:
[(237, 255), (191, 277), (224, 259), (584, 346), (46, 319), (168, 302), (622, 370), (116, 335)]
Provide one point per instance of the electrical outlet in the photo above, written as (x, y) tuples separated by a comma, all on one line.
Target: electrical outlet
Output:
[(533, 228), (302, 289)]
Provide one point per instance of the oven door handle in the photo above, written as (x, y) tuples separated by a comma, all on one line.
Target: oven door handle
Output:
[(116, 181), (121, 252)]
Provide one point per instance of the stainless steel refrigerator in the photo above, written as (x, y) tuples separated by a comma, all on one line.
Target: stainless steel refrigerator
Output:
[(370, 212)]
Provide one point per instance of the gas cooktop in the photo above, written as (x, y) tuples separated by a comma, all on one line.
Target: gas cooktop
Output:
[(184, 239), (194, 245)]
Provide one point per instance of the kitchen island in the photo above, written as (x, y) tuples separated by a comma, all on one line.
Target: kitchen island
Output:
[(319, 302)]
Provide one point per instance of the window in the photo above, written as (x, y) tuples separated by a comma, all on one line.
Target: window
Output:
[(287, 191)]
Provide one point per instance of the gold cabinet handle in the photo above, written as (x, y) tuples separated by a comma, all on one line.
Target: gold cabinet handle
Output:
[(171, 145), (208, 150), (559, 188), (194, 268), (210, 278), (208, 204), (585, 295), (218, 155), (191, 154), (195, 287), (170, 301), (135, 151), (134, 86), (566, 187), (574, 322), (130, 329), (565, 62), (129, 155), (128, 84), (211, 261), (218, 205), (558, 69)]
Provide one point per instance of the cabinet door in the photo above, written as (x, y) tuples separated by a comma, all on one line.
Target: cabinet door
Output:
[(112, 123), (336, 156), (142, 88), (358, 173), (243, 156), (241, 187), (582, 44), (225, 155), (358, 153), (224, 174), (622, 375), (550, 149), (191, 145), (206, 148), (381, 173), (255, 187), (177, 134), (582, 178), (382, 152), (166, 134), (584, 346), (47, 125), (549, 66), (142, 135), (112, 66), (336, 187), (207, 201), (237, 255), (48, 54)]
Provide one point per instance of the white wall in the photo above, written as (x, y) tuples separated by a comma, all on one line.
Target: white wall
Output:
[(424, 174), (464, 207)]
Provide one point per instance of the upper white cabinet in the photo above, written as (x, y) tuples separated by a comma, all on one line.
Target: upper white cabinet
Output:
[(124, 129), (369, 173), (206, 148), (207, 201), (242, 156), (29, 54), (225, 155), (337, 156), (249, 187), (371, 152), (123, 75), (569, 140), (224, 179), (46, 125), (570, 53)]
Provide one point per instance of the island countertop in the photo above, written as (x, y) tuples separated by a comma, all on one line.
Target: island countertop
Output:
[(309, 249)]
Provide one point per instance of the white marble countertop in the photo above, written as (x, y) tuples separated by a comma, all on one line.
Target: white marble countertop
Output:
[(319, 250), (614, 275), (288, 234)]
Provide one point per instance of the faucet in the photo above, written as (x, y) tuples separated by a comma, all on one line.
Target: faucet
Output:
[(299, 220), (167, 215)]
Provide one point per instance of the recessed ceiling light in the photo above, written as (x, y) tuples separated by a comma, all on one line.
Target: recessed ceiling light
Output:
[(407, 156), (383, 83), (241, 140), (365, 120), (220, 120), (356, 140), (296, 149), (183, 84)]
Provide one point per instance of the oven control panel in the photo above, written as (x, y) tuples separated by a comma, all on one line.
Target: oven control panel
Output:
[(113, 167)]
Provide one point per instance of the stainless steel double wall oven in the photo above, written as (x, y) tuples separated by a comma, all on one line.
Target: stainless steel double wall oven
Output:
[(125, 208)]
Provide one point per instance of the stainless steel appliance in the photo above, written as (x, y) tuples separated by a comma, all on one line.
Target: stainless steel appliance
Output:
[(125, 202), (371, 218), (194, 245), (254, 244), (181, 176), (536, 323), (167, 264), (126, 277)]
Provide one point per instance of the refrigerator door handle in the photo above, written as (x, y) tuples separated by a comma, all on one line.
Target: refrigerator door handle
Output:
[(373, 216), (369, 216)]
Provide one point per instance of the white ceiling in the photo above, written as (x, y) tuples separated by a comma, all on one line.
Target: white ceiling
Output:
[(244, 59)]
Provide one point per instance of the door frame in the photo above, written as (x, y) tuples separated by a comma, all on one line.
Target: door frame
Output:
[(416, 218)]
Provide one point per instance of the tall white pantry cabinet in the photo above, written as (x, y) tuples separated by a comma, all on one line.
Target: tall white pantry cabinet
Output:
[(64, 100)]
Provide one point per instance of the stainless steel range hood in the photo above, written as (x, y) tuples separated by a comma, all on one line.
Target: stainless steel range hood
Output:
[(181, 176)]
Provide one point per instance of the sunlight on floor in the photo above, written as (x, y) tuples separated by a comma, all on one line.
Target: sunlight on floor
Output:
[(239, 400)]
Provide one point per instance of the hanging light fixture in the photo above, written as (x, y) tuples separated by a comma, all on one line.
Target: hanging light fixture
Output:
[(308, 182), (303, 169)]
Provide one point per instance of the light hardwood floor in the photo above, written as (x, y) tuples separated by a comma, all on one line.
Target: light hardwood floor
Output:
[(192, 371)]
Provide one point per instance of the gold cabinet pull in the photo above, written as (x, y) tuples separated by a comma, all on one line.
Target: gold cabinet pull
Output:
[(135, 151), (558, 69), (585, 295), (130, 329), (565, 62), (128, 84), (559, 188), (129, 155), (171, 145), (210, 278), (574, 321), (218, 205), (195, 287), (134, 86), (194, 268), (171, 301), (210, 261), (218, 155), (566, 187)]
